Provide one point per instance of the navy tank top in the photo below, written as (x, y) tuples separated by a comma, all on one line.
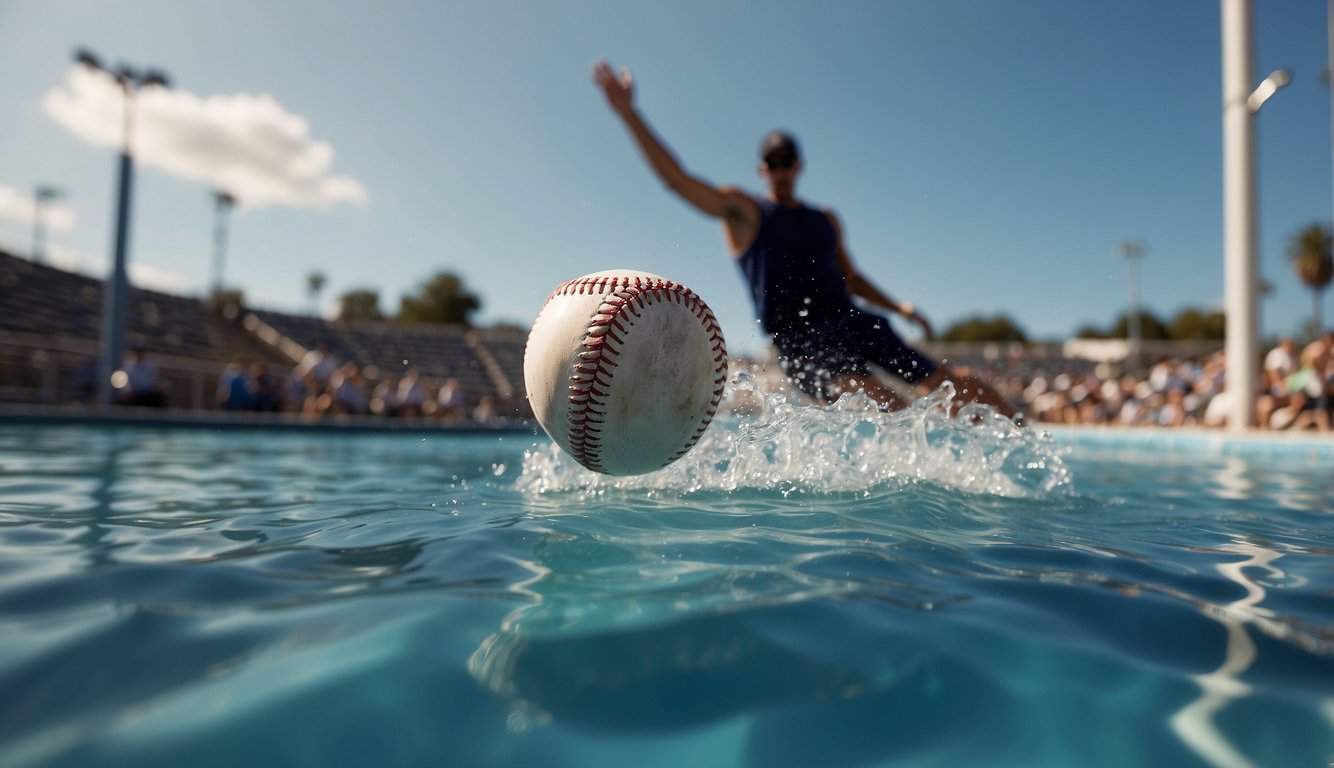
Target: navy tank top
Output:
[(792, 268)]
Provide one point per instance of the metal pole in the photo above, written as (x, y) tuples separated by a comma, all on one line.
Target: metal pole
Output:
[(113, 302), (1241, 272), (38, 228), (223, 203), (1136, 331), (41, 196), (38, 231), (116, 289), (1132, 252), (222, 207), (219, 244)]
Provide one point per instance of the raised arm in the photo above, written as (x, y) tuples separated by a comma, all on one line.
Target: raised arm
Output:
[(723, 203), (860, 286)]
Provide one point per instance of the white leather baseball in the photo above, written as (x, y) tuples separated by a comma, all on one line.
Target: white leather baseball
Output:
[(624, 370)]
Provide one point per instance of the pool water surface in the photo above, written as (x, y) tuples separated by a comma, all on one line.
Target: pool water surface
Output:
[(831, 587)]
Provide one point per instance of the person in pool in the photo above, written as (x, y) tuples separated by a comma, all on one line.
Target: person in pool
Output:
[(801, 277)]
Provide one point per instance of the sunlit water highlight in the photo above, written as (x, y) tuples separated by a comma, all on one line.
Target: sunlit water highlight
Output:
[(831, 587)]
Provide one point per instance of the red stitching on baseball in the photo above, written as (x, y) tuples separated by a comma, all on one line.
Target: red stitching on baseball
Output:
[(626, 295)]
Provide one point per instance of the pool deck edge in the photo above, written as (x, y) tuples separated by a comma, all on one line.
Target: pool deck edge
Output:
[(1218, 441), (181, 418)]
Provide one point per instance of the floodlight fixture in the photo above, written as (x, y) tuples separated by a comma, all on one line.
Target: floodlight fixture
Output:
[(1277, 79)]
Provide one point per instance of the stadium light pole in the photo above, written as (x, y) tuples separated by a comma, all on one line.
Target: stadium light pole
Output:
[(1132, 251), (223, 202), (1240, 241), (40, 198), (117, 286)]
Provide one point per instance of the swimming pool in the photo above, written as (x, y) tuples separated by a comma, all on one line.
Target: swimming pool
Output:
[(931, 592)]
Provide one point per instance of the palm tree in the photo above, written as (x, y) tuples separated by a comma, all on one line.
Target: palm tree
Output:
[(315, 285), (1310, 253)]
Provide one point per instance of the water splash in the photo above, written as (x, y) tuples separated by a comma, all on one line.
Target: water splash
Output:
[(777, 443)]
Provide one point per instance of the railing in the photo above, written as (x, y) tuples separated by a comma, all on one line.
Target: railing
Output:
[(51, 370)]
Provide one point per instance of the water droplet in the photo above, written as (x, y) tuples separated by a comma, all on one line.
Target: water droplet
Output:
[(780, 442)]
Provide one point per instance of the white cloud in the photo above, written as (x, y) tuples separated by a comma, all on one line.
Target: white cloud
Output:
[(141, 275), (17, 206), (71, 260), (246, 144), (152, 278)]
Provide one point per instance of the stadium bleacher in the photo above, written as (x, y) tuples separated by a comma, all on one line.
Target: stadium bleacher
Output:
[(383, 348), (43, 308)]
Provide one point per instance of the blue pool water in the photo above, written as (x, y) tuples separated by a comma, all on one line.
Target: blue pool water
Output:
[(807, 588)]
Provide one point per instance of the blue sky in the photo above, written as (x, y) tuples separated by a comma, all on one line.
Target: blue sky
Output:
[(984, 156)]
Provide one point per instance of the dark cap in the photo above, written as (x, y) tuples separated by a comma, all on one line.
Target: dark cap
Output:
[(779, 144)]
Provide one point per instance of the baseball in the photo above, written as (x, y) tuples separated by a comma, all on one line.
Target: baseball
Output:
[(624, 370)]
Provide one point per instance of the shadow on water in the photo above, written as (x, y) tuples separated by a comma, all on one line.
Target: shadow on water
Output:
[(1056, 653), (658, 678), (120, 666), (818, 685)]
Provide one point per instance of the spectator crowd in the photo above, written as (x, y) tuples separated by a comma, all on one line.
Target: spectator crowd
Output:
[(1296, 393), (321, 385)]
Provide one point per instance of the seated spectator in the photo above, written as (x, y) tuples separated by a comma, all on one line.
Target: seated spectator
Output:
[(1308, 400), (384, 398), (485, 412), (1279, 364), (262, 389), (142, 387), (453, 403), (306, 395), (232, 393), (1216, 412), (411, 394), (1172, 412), (317, 362), (348, 391)]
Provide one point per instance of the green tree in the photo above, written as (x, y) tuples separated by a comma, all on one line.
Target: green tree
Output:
[(223, 297), (510, 327), (441, 299), (1309, 251), (359, 305), (1151, 327), (1192, 324), (979, 328)]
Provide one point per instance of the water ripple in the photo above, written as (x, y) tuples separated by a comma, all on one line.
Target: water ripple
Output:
[(486, 596)]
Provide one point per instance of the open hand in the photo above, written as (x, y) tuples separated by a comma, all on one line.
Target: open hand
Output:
[(619, 88), (910, 312)]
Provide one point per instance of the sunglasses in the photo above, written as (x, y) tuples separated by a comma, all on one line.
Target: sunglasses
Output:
[(779, 162)]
